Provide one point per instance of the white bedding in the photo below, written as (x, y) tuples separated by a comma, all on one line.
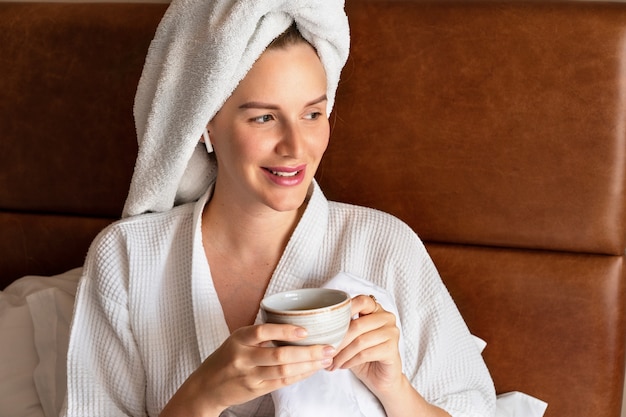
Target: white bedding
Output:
[(35, 315)]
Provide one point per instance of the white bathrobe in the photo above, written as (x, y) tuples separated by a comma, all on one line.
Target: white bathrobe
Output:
[(147, 313)]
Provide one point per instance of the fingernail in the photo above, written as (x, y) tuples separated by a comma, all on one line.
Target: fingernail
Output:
[(327, 362), (301, 332), (329, 351)]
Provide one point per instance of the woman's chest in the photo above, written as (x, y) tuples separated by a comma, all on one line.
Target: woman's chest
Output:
[(240, 291)]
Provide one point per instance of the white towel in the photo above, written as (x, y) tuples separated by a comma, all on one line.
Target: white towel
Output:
[(518, 404), (200, 52)]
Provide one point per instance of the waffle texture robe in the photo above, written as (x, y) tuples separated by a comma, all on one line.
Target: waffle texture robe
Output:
[(147, 313)]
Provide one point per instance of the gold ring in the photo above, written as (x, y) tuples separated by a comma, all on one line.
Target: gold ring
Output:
[(376, 305)]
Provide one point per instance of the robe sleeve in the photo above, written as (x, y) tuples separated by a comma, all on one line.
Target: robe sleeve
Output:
[(105, 373), (443, 360)]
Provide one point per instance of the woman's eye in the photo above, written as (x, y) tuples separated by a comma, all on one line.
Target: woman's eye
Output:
[(313, 116), (263, 119)]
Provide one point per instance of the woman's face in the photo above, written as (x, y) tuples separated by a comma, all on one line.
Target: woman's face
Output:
[(270, 135)]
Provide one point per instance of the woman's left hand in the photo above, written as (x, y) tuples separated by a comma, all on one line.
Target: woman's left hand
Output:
[(370, 348)]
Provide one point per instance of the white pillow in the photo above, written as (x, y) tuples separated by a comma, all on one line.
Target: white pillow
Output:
[(18, 396), (51, 312), (30, 284), (25, 360)]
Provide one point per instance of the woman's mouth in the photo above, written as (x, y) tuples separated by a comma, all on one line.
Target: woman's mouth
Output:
[(286, 176), (283, 173)]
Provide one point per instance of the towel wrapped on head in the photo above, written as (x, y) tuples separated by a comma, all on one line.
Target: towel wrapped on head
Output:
[(201, 50)]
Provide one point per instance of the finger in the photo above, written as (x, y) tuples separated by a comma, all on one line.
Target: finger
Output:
[(369, 347), (364, 305), (377, 354), (366, 332), (368, 323), (272, 377), (261, 334), (272, 384), (288, 355), (290, 372)]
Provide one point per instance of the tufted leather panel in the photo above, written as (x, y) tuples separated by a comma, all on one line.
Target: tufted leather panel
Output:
[(69, 75), (43, 244), (513, 114), (553, 322)]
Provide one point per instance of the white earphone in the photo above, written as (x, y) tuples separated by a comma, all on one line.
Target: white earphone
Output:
[(207, 141)]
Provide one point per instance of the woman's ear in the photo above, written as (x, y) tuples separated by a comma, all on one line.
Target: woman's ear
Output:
[(207, 141)]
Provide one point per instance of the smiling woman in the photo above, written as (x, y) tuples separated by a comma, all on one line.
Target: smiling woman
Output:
[(476, 131), (167, 315)]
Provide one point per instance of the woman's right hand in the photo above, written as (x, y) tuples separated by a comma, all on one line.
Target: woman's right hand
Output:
[(246, 366)]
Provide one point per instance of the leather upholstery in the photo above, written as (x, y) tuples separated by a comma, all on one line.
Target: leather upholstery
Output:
[(495, 129), (553, 322), (69, 74), (44, 244), (513, 116), (67, 148)]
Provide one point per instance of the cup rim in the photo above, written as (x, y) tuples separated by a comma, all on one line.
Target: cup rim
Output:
[(331, 307)]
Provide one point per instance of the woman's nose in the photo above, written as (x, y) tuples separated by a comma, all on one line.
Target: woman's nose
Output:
[(292, 141)]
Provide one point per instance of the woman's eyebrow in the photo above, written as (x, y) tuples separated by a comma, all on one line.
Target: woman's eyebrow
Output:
[(258, 105), (261, 105), (317, 100)]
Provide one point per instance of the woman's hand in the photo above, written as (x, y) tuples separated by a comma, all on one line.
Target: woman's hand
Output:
[(370, 348), (246, 366)]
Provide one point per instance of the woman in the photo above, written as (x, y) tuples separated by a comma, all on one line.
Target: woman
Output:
[(166, 319)]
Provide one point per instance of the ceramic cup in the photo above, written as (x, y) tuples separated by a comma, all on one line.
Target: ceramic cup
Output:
[(323, 312)]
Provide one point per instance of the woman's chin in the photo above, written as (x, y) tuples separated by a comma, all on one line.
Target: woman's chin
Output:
[(289, 201)]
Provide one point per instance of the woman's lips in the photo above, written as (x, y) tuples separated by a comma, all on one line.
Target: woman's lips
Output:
[(286, 176)]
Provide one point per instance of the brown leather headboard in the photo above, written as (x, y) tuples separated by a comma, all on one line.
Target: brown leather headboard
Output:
[(497, 130), (68, 78)]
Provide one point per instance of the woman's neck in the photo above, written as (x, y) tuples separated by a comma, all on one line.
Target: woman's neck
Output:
[(244, 231), (243, 249)]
